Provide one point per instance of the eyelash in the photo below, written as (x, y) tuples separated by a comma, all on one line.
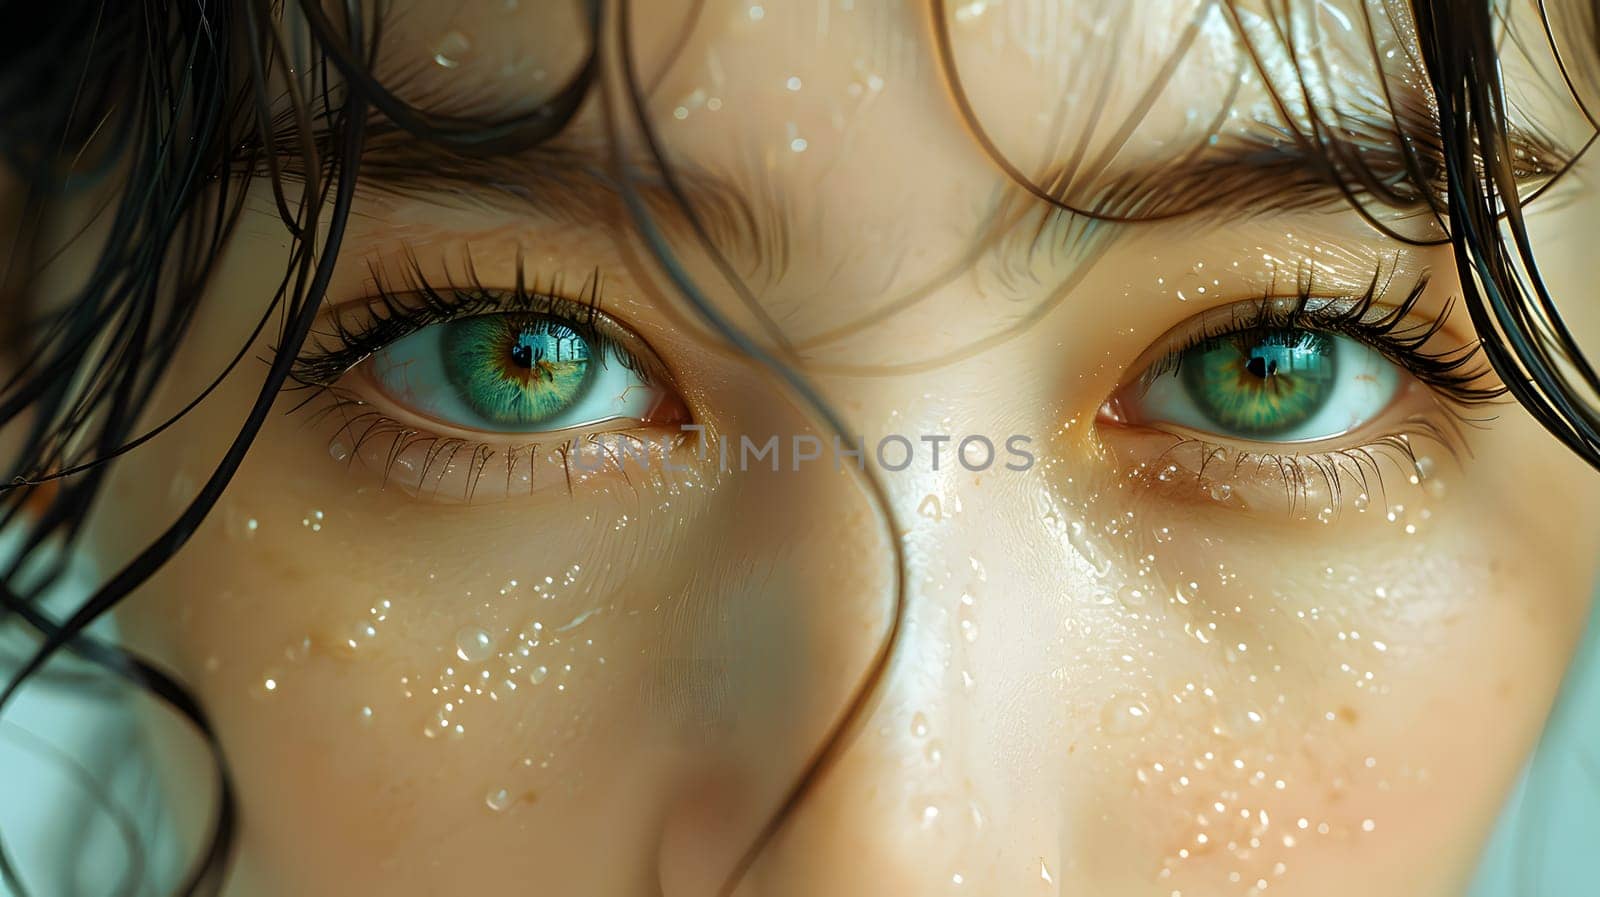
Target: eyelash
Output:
[(1455, 376), (397, 310)]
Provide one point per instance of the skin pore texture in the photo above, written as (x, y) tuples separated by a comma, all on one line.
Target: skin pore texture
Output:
[(1131, 669)]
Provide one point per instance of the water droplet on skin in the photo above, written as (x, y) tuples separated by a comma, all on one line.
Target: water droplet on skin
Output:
[(1133, 596), (1078, 536), (969, 631), (1168, 473), (1163, 534), (366, 714), (269, 685), (1221, 492), (978, 569), (361, 634), (298, 650), (498, 799), (242, 527), (473, 645), (450, 50), (1245, 718), (1125, 715), (1185, 592), (1363, 501), (919, 725), (934, 753), (538, 674)]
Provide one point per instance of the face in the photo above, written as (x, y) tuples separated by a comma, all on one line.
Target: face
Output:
[(1184, 560)]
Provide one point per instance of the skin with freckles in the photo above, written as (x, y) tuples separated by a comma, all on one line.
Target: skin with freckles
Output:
[(1154, 662)]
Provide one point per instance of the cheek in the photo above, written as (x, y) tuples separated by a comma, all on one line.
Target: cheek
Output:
[(1289, 703), (1246, 704), (390, 683), (392, 677)]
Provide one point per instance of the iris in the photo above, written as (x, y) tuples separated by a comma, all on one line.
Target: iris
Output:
[(517, 370), (1261, 383)]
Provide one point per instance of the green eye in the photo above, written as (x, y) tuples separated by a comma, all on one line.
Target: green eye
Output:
[(1261, 384), (517, 370), (1272, 385), (514, 372)]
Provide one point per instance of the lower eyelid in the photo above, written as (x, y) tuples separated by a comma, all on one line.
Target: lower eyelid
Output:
[(362, 384), (429, 466), (1392, 461)]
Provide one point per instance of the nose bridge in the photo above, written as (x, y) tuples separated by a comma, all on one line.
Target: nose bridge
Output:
[(942, 787), (952, 778)]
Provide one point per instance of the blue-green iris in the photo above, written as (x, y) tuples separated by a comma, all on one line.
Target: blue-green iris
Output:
[(516, 370), (1260, 383)]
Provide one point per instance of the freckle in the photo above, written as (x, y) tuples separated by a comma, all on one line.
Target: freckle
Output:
[(1348, 715)]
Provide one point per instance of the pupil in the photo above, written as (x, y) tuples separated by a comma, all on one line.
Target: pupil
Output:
[(1261, 367), (522, 355)]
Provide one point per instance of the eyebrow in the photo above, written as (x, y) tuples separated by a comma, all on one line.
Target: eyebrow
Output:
[(1393, 163), (1371, 162), (568, 180)]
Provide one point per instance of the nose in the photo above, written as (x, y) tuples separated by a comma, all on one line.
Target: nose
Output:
[(950, 778), (942, 786)]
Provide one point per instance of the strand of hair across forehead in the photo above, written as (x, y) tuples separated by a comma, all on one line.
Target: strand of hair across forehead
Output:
[(1513, 311), (628, 99), (1524, 335)]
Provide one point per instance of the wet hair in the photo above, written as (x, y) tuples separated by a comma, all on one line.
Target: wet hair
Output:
[(162, 115)]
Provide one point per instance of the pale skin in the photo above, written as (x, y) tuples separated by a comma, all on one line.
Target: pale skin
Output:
[(1106, 682)]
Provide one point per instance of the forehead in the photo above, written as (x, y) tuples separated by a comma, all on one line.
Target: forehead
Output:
[(864, 132), (1036, 70)]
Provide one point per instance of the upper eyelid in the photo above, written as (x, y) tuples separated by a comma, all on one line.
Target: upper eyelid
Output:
[(400, 313), (1329, 312), (1457, 372)]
